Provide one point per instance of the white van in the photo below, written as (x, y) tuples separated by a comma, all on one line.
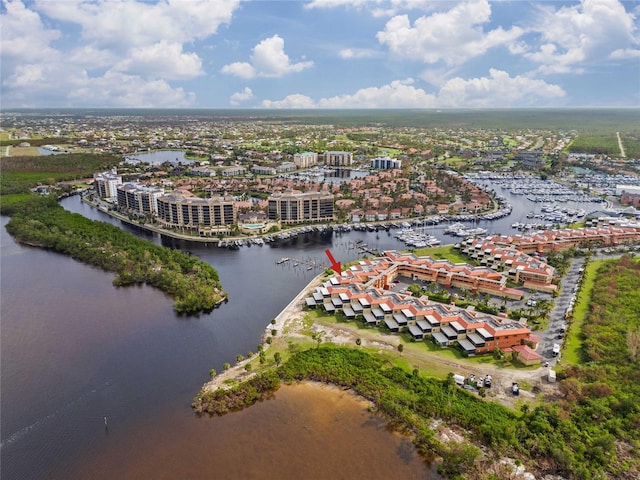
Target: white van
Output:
[(556, 349)]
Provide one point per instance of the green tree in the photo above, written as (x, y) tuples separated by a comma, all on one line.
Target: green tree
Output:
[(318, 336), (277, 357), (226, 366), (239, 358), (457, 459), (212, 372)]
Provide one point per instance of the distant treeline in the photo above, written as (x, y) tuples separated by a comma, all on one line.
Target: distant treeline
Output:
[(19, 174), (37, 142), (507, 119), (596, 144)]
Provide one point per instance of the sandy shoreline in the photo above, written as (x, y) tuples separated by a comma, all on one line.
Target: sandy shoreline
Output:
[(289, 324), (289, 313)]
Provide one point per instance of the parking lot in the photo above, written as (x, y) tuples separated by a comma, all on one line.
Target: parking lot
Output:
[(556, 330)]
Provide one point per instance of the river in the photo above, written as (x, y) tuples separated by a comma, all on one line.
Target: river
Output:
[(74, 350)]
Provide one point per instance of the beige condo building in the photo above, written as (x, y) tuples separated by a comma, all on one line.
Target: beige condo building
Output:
[(291, 208)]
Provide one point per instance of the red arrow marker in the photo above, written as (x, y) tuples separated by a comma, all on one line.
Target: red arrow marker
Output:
[(335, 266)]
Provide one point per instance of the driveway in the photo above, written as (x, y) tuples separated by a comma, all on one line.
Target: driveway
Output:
[(569, 285)]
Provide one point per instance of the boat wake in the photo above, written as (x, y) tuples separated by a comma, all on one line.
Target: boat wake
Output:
[(23, 432)]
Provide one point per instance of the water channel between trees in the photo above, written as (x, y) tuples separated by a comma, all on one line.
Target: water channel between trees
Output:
[(75, 349)]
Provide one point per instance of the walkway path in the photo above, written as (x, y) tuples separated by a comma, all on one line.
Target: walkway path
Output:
[(622, 152)]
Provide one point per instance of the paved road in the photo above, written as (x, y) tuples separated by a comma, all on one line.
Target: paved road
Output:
[(569, 285)]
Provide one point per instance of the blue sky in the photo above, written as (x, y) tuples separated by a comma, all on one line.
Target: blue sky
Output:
[(319, 53)]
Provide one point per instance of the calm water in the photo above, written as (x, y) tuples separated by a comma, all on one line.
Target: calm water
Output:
[(75, 349), (161, 156)]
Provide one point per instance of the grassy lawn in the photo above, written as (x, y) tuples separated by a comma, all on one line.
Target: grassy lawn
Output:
[(430, 359), (443, 252), (22, 151), (391, 152), (573, 344)]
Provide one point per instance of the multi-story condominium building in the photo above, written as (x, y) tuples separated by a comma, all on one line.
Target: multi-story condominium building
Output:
[(556, 240), (206, 215), (203, 171), (233, 171), (286, 167), (262, 170), (385, 163), (531, 159), (362, 292), (106, 184), (338, 159), (135, 197), (305, 159), (290, 207)]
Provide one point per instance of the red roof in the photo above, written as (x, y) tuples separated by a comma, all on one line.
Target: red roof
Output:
[(525, 352)]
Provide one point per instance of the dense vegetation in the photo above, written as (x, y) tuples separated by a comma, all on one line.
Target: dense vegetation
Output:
[(631, 143), (602, 396), (615, 119), (591, 431), (41, 221), (19, 174), (606, 143), (545, 436)]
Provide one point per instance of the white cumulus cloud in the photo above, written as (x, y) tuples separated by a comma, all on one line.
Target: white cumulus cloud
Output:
[(23, 34), (161, 60), (349, 53), (245, 95), (377, 8), (575, 37), (118, 90), (625, 53), (240, 69), (129, 23), (499, 89), (397, 94), (128, 51), (295, 100), (268, 60), (452, 37)]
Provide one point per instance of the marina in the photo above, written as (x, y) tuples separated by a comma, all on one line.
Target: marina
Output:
[(184, 349)]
